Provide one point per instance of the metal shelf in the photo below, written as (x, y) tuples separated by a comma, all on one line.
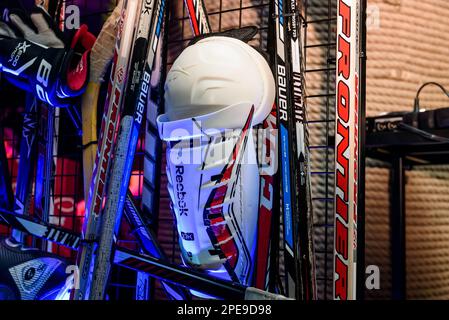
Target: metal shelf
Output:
[(403, 150)]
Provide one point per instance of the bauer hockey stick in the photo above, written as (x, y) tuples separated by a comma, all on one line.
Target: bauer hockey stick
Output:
[(138, 86), (302, 194), (152, 154), (286, 144)]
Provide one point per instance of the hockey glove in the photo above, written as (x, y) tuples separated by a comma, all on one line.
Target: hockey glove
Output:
[(55, 74), (37, 27)]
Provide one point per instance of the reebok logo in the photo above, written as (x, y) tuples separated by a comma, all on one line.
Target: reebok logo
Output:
[(180, 193)]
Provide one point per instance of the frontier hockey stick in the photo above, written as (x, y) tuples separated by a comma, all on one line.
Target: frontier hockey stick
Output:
[(134, 107), (349, 146), (107, 134)]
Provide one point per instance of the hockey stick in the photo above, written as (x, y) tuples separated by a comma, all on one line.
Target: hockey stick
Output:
[(153, 155), (285, 141), (174, 275), (190, 278), (72, 240), (47, 146), (44, 161), (46, 164), (101, 56), (347, 160), (137, 91), (303, 216), (168, 273), (41, 230), (107, 135), (264, 273), (198, 17), (30, 135), (152, 167), (53, 159), (26, 162), (139, 226), (69, 239)]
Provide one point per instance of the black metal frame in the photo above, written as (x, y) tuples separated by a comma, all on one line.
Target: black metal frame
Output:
[(403, 150)]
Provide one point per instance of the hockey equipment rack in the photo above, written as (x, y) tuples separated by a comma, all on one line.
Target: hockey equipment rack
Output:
[(324, 203)]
